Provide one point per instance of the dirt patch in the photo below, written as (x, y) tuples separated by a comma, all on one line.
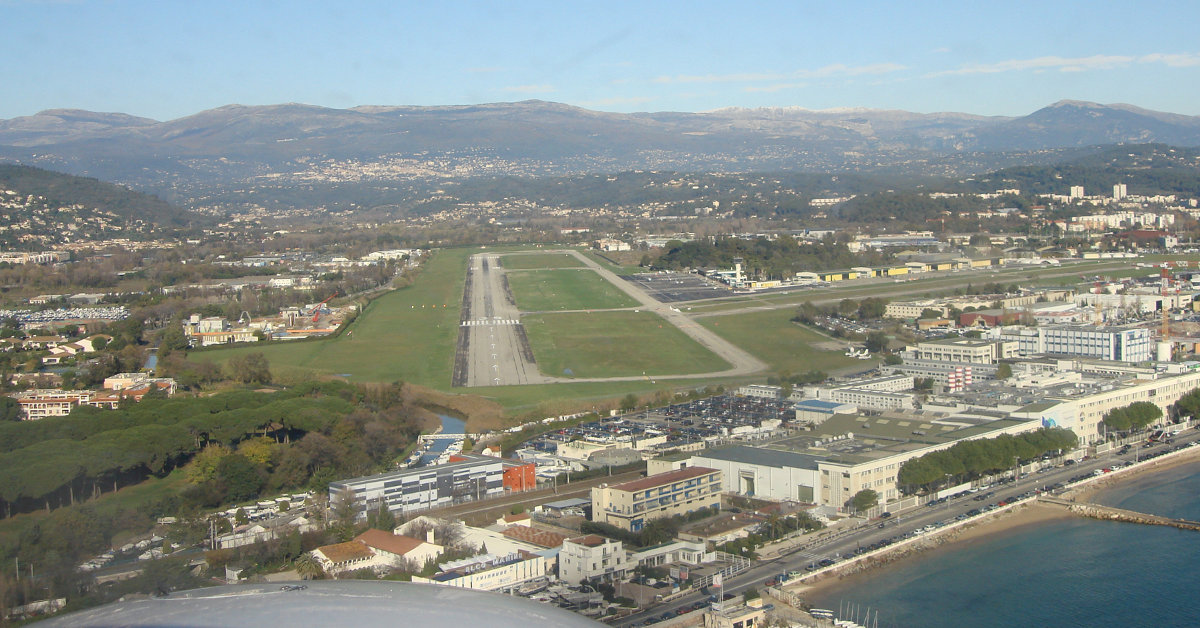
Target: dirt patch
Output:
[(480, 414)]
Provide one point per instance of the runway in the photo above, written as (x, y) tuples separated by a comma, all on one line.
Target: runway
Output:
[(493, 349)]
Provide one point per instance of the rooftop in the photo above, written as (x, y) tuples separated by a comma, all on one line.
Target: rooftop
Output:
[(388, 542), (669, 477), (590, 540), (543, 538), (345, 552), (768, 457)]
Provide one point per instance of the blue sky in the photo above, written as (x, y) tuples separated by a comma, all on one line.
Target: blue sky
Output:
[(169, 59)]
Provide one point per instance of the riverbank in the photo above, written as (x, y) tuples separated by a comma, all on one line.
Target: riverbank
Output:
[(1008, 522)]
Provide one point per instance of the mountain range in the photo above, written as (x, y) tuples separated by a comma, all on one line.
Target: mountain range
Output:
[(201, 156)]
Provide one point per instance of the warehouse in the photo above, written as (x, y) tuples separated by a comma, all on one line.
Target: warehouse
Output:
[(767, 473)]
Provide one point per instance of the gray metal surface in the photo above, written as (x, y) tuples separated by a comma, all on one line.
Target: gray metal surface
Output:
[(354, 603)]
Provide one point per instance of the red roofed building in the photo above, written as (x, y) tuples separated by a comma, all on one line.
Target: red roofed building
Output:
[(542, 538), (397, 550), (630, 505)]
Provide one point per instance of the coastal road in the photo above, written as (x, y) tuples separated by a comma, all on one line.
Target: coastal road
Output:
[(845, 543)]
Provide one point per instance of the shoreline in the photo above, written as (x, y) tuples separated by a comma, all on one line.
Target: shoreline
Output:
[(1005, 523)]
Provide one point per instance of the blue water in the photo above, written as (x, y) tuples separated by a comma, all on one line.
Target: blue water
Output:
[(1071, 572), (450, 425)]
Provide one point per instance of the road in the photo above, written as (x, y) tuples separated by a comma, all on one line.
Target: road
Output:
[(741, 362), (844, 544)]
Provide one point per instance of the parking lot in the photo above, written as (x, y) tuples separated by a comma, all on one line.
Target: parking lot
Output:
[(684, 422), (669, 287)]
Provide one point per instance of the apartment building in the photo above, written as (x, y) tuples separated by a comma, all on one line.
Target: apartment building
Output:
[(593, 556), (630, 505)]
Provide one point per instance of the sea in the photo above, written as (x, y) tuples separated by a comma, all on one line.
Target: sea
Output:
[(1067, 572)]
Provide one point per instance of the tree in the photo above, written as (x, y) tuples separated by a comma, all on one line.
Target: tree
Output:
[(1003, 371), (1134, 416), (173, 338), (239, 477), (204, 464), (930, 313), (1189, 404), (251, 368), (10, 410), (308, 567), (629, 402), (382, 519), (872, 308), (865, 500), (877, 342)]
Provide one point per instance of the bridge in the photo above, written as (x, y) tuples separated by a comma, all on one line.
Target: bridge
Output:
[(1108, 513), (424, 438)]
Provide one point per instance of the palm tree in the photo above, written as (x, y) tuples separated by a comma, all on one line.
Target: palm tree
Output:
[(308, 567)]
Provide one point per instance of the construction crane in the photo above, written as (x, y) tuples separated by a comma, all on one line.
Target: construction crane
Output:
[(317, 308)]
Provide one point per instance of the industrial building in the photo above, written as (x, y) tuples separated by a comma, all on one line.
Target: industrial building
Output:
[(465, 478), (767, 473), (630, 505)]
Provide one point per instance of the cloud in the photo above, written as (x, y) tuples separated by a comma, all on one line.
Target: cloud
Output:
[(529, 89), (718, 78), (834, 70), (838, 69), (1184, 60), (609, 102), (1076, 64), (1065, 64), (777, 87)]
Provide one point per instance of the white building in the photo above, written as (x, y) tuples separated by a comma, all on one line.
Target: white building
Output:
[(1123, 344), (593, 556), (489, 572), (766, 473)]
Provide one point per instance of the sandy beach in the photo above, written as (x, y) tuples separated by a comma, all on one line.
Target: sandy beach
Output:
[(1007, 522)]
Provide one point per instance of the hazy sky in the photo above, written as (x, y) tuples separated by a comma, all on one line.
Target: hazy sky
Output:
[(168, 59)]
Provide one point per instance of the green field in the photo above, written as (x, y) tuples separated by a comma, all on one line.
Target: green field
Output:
[(615, 344), (540, 261), (782, 344), (405, 335), (565, 289)]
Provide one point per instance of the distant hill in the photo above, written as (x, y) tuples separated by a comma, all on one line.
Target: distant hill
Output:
[(42, 208), (285, 155), (1074, 123)]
